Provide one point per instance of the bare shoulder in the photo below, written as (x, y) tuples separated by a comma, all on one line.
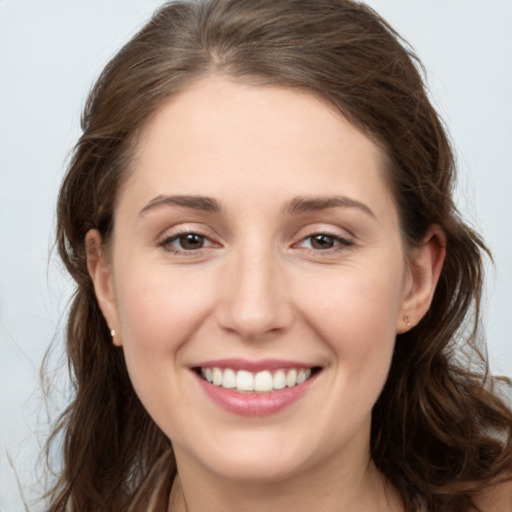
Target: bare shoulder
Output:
[(496, 498)]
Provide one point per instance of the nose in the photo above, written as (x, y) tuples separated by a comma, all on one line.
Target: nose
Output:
[(255, 303)]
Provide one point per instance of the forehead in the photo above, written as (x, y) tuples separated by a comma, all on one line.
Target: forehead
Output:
[(220, 137)]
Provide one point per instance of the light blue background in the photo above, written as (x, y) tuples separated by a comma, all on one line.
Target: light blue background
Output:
[(50, 53)]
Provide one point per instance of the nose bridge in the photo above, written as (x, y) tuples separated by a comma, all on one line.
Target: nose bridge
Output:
[(255, 301)]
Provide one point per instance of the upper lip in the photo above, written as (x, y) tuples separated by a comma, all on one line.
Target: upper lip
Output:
[(253, 365)]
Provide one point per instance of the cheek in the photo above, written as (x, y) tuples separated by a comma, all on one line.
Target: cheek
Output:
[(356, 301), (355, 312), (160, 311), (159, 308)]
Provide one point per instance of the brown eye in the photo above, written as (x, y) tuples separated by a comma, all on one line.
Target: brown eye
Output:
[(190, 241), (322, 241), (185, 242)]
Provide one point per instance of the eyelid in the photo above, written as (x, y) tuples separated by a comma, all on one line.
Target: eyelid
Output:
[(175, 232), (344, 242)]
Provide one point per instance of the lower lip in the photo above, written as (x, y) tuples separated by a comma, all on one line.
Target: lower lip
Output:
[(255, 404)]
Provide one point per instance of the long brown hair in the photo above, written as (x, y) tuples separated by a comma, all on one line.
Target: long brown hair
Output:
[(440, 433)]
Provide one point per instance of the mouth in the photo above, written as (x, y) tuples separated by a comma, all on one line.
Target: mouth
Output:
[(255, 388), (264, 381)]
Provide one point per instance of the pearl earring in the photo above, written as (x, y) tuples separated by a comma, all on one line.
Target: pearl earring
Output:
[(407, 321)]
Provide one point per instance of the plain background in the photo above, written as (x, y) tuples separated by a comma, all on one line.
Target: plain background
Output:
[(50, 54)]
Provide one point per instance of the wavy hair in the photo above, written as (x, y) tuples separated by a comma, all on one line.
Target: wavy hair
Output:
[(440, 432)]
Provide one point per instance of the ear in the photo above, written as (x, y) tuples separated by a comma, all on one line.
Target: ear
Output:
[(100, 270), (425, 265)]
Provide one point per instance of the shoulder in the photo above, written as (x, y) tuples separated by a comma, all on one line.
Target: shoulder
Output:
[(495, 498)]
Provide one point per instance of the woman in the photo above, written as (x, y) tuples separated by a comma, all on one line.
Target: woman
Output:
[(274, 288)]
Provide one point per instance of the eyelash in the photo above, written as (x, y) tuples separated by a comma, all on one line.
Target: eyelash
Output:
[(340, 243), (167, 242)]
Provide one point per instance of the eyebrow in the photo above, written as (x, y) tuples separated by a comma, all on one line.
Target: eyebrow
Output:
[(298, 204), (302, 204), (202, 203)]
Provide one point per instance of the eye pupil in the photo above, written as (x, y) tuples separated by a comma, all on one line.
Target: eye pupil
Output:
[(191, 241), (322, 242)]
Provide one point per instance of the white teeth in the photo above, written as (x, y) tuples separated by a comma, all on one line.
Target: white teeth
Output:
[(302, 376), (217, 376), (229, 380), (279, 380), (291, 378), (263, 381), (244, 381)]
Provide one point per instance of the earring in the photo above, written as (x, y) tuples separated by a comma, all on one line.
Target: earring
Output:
[(112, 333), (407, 321)]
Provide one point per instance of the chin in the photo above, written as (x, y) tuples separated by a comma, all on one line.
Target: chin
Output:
[(251, 456), (249, 469)]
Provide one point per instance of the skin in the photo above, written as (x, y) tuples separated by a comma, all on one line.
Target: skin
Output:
[(496, 498), (260, 287)]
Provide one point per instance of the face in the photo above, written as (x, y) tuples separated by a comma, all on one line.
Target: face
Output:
[(256, 280)]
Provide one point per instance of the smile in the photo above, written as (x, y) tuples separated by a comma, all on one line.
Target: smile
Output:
[(260, 382), (255, 388)]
